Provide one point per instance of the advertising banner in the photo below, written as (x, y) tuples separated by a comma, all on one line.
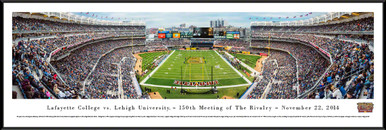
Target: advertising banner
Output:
[(161, 35), (229, 36), (176, 35)]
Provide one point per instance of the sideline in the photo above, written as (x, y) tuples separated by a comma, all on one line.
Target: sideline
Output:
[(249, 82), (148, 76)]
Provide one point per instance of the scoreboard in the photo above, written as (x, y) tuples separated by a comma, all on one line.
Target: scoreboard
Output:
[(203, 32)]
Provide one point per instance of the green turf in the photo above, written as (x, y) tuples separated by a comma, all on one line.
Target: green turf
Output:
[(175, 94), (250, 60), (148, 59), (171, 69)]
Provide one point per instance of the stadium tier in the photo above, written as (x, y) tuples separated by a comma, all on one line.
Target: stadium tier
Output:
[(58, 59)]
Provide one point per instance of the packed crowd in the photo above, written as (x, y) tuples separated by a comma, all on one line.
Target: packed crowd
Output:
[(258, 91), (32, 74), (80, 62), (269, 71), (232, 42), (104, 79), (364, 24), (31, 71), (310, 63), (357, 38), (350, 60), (283, 86), (40, 48), (279, 70), (20, 24), (127, 82)]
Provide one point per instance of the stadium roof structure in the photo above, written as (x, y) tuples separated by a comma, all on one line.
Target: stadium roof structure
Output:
[(329, 18), (69, 17)]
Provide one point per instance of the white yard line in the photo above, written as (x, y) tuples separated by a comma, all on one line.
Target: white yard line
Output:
[(148, 76), (241, 75)]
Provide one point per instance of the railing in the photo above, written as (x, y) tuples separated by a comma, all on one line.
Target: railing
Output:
[(51, 91), (249, 90), (21, 89), (58, 74), (352, 73), (316, 84)]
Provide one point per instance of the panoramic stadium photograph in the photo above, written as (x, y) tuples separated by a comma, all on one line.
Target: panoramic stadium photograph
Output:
[(193, 55)]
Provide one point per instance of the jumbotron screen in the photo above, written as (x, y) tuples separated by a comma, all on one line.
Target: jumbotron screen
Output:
[(203, 33)]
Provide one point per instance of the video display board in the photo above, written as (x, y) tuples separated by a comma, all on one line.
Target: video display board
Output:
[(169, 35), (233, 35), (203, 32), (236, 36), (186, 34), (229, 36), (161, 35), (220, 34), (176, 35)]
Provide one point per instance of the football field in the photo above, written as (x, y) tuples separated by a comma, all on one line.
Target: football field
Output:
[(195, 66)]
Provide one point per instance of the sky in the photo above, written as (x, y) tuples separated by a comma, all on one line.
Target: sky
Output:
[(201, 19)]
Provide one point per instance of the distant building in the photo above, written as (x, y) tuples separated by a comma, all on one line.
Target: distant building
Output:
[(219, 23), (183, 25)]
